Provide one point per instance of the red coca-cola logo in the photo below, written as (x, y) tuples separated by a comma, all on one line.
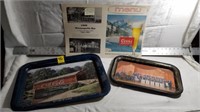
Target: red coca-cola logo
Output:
[(126, 41), (56, 82)]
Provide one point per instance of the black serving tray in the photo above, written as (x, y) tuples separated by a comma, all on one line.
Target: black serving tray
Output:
[(54, 82), (146, 75)]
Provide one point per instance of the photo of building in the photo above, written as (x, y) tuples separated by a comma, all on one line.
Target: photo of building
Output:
[(84, 14), (78, 45)]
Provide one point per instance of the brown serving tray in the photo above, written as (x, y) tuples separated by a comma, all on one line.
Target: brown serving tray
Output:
[(146, 75)]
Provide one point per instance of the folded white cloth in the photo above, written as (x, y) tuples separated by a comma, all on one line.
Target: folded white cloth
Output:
[(119, 99)]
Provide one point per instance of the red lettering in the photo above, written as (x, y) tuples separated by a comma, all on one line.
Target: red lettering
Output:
[(55, 82), (126, 41)]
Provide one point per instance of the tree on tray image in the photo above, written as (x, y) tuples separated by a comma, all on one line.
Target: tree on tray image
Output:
[(38, 76), (88, 72)]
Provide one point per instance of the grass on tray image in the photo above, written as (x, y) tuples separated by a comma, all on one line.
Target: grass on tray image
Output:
[(88, 89)]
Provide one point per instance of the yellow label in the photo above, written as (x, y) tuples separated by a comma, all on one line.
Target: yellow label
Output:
[(60, 59)]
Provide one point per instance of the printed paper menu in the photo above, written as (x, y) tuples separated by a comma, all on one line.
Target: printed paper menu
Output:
[(104, 29)]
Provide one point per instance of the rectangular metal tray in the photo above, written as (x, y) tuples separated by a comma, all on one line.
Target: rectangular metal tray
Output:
[(49, 83), (146, 75)]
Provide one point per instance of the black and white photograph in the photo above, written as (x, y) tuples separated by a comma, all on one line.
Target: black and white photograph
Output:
[(78, 45), (84, 14)]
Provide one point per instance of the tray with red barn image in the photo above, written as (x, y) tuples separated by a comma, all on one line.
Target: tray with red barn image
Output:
[(45, 84)]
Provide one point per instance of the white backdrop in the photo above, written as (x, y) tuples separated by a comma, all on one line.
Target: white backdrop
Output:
[(170, 23)]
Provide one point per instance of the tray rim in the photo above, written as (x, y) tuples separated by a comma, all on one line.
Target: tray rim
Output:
[(20, 82), (174, 69)]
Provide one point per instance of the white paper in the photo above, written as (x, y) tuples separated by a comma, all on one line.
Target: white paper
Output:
[(104, 29)]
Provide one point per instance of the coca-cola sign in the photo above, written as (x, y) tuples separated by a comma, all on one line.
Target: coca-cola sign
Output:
[(55, 82)]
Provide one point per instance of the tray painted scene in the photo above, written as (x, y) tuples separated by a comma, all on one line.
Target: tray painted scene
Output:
[(61, 82), (145, 75)]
